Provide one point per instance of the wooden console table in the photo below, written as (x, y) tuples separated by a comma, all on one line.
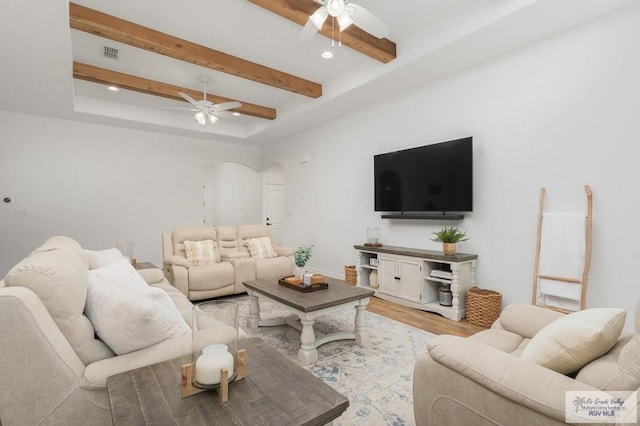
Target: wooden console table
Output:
[(405, 277)]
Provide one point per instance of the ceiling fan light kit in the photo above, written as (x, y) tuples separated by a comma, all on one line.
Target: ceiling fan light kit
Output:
[(347, 13), (206, 109)]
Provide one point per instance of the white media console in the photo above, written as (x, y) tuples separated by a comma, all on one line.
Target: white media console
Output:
[(413, 277)]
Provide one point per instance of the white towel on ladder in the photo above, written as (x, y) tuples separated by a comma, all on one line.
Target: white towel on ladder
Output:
[(562, 253)]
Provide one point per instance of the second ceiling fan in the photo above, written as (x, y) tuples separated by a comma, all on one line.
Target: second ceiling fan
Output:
[(345, 13)]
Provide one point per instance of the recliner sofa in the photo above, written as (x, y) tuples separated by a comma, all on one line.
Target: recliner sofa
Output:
[(234, 263), (485, 380)]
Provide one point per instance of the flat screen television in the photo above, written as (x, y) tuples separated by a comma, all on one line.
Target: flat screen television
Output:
[(430, 178)]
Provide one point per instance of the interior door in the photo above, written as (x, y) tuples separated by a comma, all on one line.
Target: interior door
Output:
[(275, 211)]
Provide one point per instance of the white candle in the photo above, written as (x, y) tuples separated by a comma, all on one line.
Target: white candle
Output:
[(211, 362)]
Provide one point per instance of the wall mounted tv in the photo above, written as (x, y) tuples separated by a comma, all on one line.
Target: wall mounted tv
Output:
[(430, 179)]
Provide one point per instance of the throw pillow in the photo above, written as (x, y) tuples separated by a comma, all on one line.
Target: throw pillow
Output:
[(98, 259), (261, 248), (126, 313), (570, 342), (200, 252)]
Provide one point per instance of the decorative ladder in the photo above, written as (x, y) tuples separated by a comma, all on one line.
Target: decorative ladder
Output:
[(540, 298)]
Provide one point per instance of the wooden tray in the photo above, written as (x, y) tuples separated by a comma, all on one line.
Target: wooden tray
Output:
[(300, 288)]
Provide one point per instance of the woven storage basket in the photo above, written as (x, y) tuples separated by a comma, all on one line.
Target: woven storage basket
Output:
[(483, 306), (350, 274)]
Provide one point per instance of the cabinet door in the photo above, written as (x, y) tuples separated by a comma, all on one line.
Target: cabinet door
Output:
[(387, 275), (410, 272)]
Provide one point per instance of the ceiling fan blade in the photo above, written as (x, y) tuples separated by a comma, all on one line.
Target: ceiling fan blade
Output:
[(224, 114), (318, 17), (227, 105), (181, 108), (188, 98), (367, 21)]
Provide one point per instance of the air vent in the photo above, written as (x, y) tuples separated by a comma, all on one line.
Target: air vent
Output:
[(110, 52)]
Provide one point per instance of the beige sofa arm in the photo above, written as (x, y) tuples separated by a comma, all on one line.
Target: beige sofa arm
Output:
[(284, 251), (152, 275), (523, 382), (525, 320), (39, 368), (177, 268), (176, 261), (95, 375)]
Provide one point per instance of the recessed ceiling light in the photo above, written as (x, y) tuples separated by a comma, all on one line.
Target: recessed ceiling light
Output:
[(327, 54), (235, 114), (113, 88)]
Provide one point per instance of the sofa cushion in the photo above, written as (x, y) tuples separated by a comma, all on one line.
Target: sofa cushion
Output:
[(617, 370), (100, 258), (128, 314), (181, 234), (525, 320), (57, 273), (184, 306), (261, 248), (211, 277), (251, 231), (502, 340), (200, 252), (277, 267), (570, 342), (228, 240)]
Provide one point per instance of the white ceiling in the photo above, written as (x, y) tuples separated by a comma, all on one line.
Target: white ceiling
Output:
[(434, 38)]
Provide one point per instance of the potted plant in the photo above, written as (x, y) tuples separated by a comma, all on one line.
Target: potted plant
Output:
[(449, 237), (300, 257)]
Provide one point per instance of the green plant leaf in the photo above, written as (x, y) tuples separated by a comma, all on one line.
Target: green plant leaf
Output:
[(449, 235), (302, 255)]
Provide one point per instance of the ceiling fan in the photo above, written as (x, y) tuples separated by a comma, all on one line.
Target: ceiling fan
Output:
[(205, 109), (345, 13)]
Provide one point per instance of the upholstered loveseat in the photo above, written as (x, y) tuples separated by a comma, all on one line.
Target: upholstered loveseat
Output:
[(53, 365), (232, 262), (498, 376)]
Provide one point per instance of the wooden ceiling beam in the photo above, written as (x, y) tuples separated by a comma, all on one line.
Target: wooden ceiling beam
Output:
[(107, 26), (298, 11), (150, 87)]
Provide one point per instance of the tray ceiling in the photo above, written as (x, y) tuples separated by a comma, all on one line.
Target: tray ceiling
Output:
[(251, 52)]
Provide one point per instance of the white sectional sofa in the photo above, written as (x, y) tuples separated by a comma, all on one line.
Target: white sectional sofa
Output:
[(53, 365), (233, 262)]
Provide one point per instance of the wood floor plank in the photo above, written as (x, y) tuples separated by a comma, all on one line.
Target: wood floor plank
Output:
[(427, 321)]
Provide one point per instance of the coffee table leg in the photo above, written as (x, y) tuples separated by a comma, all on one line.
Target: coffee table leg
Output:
[(254, 312), (362, 336), (308, 352)]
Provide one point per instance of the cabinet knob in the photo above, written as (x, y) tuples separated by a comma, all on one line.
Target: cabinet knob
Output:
[(396, 278)]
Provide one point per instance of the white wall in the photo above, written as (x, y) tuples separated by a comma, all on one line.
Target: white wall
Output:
[(233, 194), (561, 113), (100, 184)]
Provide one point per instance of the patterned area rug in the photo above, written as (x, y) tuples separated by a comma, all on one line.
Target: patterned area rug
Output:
[(377, 378)]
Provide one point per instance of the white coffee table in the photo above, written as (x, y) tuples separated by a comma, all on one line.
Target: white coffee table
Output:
[(306, 307)]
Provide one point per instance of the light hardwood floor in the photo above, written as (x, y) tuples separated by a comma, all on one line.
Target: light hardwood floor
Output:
[(428, 321)]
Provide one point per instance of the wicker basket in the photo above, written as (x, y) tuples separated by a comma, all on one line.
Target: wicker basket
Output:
[(350, 274), (483, 306)]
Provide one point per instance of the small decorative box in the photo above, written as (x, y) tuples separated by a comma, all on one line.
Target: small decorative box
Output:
[(373, 261)]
